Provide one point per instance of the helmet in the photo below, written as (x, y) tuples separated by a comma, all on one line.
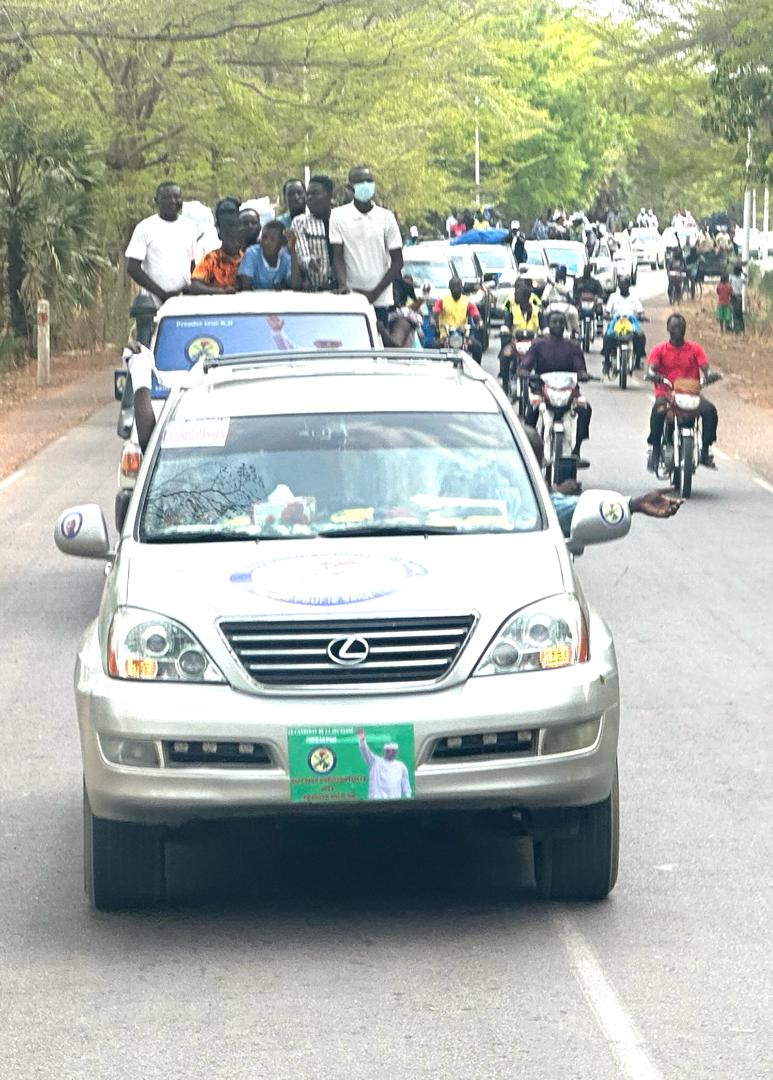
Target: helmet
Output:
[(515, 224)]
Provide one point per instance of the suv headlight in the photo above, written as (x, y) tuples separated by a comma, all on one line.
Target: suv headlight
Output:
[(152, 648), (552, 633)]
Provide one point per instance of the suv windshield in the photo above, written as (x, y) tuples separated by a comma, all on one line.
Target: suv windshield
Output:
[(438, 274), (466, 266), (572, 258), (183, 340), (281, 477), (494, 258)]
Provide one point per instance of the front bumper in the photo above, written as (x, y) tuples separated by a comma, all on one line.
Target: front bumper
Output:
[(174, 795)]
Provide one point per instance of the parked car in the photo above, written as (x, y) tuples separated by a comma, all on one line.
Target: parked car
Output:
[(300, 616)]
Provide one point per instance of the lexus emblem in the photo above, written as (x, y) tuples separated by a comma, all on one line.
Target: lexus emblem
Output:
[(348, 651)]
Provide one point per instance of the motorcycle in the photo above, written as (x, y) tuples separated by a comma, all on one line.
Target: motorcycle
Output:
[(680, 447), (677, 283), (515, 382), (520, 390), (623, 359), (556, 401), (588, 321)]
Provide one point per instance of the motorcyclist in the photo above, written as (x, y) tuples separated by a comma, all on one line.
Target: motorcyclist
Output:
[(521, 317), (559, 291), (557, 353), (455, 312), (674, 359), (623, 304), (586, 286)]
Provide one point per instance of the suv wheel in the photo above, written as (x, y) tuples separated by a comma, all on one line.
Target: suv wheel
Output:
[(123, 862), (578, 860)]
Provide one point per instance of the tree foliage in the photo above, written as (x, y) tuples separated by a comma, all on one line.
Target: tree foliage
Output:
[(234, 98)]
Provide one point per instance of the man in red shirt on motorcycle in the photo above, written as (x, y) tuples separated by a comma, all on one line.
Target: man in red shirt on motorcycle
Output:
[(678, 358)]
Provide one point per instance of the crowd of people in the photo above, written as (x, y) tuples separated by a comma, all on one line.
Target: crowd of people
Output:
[(356, 245), (313, 245)]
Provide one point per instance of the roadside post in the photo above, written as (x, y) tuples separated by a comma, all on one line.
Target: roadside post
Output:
[(44, 344)]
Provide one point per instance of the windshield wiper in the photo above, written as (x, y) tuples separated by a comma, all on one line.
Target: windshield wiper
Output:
[(390, 530), (201, 536)]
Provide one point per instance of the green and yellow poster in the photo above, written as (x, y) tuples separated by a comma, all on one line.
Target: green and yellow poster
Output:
[(351, 764)]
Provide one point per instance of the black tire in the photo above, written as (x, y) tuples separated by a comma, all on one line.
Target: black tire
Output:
[(583, 864), (586, 335), (622, 367), (123, 862), (688, 465), (558, 453)]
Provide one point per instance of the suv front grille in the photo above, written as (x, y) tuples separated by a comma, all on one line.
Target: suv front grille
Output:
[(378, 650)]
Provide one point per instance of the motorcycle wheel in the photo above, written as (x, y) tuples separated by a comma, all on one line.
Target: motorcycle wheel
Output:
[(553, 472), (688, 465), (523, 398), (586, 336), (622, 368)]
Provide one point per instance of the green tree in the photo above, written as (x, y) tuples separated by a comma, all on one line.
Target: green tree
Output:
[(46, 188)]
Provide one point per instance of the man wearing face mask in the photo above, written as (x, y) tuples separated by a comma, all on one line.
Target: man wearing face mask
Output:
[(366, 245)]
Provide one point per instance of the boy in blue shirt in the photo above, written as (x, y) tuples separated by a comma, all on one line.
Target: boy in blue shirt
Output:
[(267, 264)]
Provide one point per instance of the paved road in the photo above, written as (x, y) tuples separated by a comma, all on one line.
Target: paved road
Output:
[(372, 953)]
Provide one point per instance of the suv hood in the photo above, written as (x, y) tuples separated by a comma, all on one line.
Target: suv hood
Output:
[(325, 577)]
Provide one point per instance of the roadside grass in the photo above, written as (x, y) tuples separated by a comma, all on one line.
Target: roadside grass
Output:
[(745, 360)]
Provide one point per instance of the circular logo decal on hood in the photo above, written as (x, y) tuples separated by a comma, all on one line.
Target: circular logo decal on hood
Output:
[(328, 581)]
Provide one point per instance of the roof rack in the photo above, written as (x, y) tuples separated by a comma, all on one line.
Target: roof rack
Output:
[(253, 359)]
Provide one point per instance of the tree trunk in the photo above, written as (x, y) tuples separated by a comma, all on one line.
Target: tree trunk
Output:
[(15, 256)]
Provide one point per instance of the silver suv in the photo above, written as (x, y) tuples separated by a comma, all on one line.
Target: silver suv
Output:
[(340, 586)]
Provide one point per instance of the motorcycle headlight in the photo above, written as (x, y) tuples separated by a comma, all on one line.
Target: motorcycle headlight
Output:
[(558, 398), (687, 402), (550, 634), (151, 648)]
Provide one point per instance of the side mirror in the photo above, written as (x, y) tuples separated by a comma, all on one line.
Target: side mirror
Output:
[(82, 531), (600, 516), (492, 277)]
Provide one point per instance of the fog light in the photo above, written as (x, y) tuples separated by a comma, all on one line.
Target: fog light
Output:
[(180, 747), (209, 747), (192, 662), (567, 737), (138, 752), (505, 655), (490, 739), (453, 742), (246, 748)]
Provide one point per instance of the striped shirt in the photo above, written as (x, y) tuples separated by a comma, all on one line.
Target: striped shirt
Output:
[(314, 251)]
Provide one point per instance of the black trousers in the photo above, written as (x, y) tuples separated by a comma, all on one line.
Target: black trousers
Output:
[(709, 423)]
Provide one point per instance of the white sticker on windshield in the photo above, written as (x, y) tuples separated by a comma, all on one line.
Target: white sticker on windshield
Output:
[(185, 434)]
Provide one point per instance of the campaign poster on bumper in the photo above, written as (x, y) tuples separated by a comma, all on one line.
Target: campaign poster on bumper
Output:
[(351, 764)]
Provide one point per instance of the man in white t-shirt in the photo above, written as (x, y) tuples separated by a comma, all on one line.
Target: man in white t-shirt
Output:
[(387, 777), (366, 245), (162, 250)]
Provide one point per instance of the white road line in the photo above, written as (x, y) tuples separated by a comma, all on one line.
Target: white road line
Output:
[(10, 479), (763, 484), (618, 1028)]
